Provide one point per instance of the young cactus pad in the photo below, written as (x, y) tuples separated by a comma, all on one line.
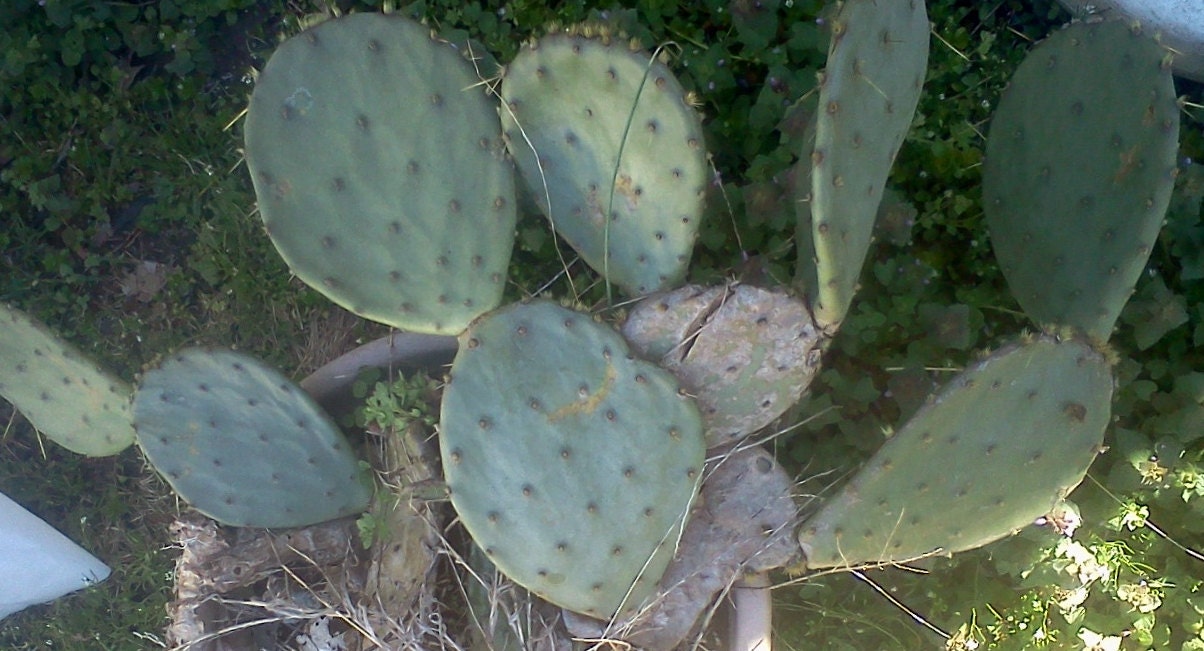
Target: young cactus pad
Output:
[(995, 449), (877, 59), (1080, 163), (572, 463), (612, 152), (378, 165), (66, 396), (243, 444)]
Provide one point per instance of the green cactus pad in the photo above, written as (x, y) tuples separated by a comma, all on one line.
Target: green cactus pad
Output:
[(995, 449), (802, 116), (1080, 163), (572, 463), (745, 353), (877, 58), (621, 165), (66, 396), (243, 444), (377, 160)]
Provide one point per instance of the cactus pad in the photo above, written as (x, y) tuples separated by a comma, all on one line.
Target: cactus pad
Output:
[(877, 58), (67, 397), (745, 353), (1080, 163), (612, 152), (994, 450), (244, 445), (380, 173), (571, 463), (744, 525)]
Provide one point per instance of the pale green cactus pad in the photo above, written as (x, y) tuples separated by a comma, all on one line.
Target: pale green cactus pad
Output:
[(570, 462), (746, 354), (66, 396), (877, 58), (612, 152), (243, 444), (997, 448), (380, 172), (1080, 164)]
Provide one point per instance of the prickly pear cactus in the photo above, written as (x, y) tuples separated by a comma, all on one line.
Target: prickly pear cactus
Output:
[(743, 525), (612, 152), (244, 445), (877, 58), (746, 354), (1080, 163), (380, 173), (570, 462), (995, 449), (406, 537), (495, 612), (66, 396)]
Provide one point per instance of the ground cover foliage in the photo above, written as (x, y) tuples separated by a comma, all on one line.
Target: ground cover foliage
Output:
[(128, 226)]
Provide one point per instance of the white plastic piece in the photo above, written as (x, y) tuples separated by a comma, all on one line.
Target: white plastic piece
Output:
[(37, 563), (752, 622), (318, 638)]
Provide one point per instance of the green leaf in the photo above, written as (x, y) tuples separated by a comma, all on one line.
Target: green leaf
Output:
[(756, 22), (1154, 312)]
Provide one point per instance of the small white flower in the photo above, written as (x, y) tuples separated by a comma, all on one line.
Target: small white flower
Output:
[(1093, 641), (1072, 599)]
